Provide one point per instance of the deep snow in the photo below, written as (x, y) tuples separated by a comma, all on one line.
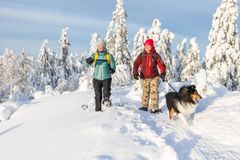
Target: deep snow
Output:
[(56, 127)]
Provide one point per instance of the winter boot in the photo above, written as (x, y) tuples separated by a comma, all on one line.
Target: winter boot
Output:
[(143, 109), (106, 102), (155, 110), (98, 106)]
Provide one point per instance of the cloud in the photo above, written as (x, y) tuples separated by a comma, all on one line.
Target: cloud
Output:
[(48, 18), (36, 20)]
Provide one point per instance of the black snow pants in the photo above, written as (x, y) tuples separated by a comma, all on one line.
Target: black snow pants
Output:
[(102, 88)]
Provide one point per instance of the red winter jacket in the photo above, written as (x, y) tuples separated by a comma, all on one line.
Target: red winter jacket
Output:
[(148, 63)]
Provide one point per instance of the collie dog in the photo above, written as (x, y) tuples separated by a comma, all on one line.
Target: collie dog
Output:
[(183, 103)]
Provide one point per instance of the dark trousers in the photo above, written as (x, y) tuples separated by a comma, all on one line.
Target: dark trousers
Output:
[(101, 88)]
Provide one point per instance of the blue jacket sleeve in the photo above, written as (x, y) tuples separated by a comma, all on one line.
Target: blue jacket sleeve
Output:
[(92, 57)]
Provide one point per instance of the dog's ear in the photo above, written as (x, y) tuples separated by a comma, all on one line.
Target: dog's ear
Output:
[(184, 89), (192, 87)]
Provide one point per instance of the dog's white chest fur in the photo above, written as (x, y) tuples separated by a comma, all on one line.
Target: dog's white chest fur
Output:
[(186, 108)]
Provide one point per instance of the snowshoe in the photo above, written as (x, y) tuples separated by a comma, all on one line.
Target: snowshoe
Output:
[(84, 106)]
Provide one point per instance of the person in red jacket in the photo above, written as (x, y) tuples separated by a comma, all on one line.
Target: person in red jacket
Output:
[(147, 63)]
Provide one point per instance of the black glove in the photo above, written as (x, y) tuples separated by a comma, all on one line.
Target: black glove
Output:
[(89, 60), (136, 76), (162, 76), (112, 71)]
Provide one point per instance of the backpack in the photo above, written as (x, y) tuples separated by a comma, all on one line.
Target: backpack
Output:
[(96, 57)]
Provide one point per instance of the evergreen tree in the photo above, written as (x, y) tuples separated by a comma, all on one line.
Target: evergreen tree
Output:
[(47, 64), (93, 43), (93, 49), (117, 36), (76, 62), (65, 71), (155, 34), (138, 44), (165, 51), (223, 49), (193, 64), (43, 57), (110, 36), (178, 60), (117, 44)]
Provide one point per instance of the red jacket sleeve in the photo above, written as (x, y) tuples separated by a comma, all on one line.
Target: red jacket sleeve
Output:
[(137, 63), (161, 65)]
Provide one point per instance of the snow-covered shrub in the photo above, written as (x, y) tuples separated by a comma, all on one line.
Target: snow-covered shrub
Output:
[(122, 76), (6, 110), (62, 85), (204, 87), (4, 91), (20, 94), (85, 82), (71, 84), (49, 91)]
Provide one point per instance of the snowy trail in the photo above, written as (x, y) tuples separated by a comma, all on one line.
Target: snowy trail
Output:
[(58, 128), (192, 142)]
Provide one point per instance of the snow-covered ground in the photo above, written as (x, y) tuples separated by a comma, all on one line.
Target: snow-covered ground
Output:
[(58, 128)]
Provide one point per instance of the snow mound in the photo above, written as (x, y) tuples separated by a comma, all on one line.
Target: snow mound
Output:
[(6, 110)]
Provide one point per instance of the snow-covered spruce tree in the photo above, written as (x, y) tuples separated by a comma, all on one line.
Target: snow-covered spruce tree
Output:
[(36, 79), (178, 60), (203, 63), (67, 79), (238, 73), (93, 43), (76, 61), (43, 57), (93, 49), (138, 44), (65, 71), (223, 49), (110, 36), (47, 64), (165, 51), (155, 34), (193, 64), (117, 44)]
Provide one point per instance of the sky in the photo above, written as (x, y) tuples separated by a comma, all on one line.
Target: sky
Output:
[(26, 23)]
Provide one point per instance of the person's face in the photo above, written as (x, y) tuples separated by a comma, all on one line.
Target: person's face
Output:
[(148, 48), (100, 48)]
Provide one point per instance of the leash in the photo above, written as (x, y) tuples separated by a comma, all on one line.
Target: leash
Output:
[(171, 87), (164, 80)]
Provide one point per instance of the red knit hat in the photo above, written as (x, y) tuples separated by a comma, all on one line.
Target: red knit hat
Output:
[(149, 42)]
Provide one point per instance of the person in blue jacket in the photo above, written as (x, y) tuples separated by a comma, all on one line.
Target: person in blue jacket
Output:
[(104, 66)]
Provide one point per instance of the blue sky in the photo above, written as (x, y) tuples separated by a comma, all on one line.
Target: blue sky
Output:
[(26, 23)]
